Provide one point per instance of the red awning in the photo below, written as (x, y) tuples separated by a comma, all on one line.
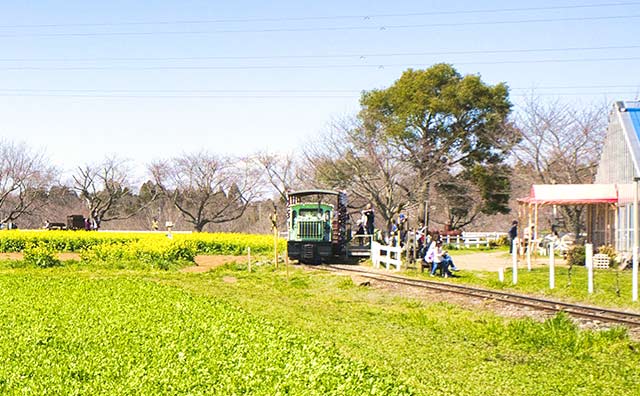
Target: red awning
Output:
[(571, 194)]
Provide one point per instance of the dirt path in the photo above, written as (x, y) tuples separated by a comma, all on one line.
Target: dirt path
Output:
[(205, 263), (492, 261), (489, 261)]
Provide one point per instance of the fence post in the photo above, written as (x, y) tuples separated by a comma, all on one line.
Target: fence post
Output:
[(387, 256), (529, 256), (588, 253), (374, 254), (501, 274), (552, 267), (636, 242), (286, 261), (275, 246), (458, 241), (515, 262)]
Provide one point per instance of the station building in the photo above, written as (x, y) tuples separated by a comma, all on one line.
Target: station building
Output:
[(609, 200), (620, 166)]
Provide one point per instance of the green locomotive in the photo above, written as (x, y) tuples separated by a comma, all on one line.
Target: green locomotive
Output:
[(317, 222)]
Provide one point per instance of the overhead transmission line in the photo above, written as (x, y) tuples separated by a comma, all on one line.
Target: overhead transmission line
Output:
[(262, 94), (294, 67), (2, 95), (322, 29), (276, 91), (326, 17), (324, 56)]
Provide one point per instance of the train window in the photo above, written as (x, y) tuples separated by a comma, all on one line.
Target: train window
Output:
[(311, 212)]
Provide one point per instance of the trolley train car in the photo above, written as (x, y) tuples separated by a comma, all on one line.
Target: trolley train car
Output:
[(317, 222)]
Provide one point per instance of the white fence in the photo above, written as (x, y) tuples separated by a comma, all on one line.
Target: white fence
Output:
[(468, 239), (388, 255)]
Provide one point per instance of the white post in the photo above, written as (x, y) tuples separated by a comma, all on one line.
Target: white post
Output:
[(636, 239), (588, 253), (374, 254), (501, 274), (529, 256), (552, 267), (515, 262)]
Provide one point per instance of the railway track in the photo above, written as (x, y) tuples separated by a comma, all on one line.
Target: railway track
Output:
[(576, 310)]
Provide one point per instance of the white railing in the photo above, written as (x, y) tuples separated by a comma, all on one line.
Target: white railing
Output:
[(389, 255), (476, 239)]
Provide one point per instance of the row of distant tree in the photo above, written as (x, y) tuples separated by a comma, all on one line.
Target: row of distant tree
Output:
[(442, 147)]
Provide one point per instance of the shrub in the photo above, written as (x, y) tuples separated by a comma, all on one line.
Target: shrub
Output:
[(161, 253), (501, 241), (576, 255), (41, 255)]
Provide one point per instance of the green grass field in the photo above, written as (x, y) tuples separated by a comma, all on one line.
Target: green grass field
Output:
[(71, 330)]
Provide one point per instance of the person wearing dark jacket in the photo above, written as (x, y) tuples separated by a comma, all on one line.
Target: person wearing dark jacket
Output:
[(370, 216), (513, 234)]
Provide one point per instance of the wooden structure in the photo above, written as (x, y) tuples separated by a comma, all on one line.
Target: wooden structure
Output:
[(601, 201)]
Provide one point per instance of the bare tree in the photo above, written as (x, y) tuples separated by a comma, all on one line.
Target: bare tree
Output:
[(361, 163), (560, 145), (61, 201), (106, 191), (279, 171), (25, 177), (206, 188)]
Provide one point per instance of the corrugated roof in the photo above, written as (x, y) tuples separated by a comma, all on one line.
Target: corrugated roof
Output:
[(571, 194)]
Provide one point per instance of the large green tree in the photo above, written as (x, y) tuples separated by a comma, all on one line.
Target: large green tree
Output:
[(442, 123)]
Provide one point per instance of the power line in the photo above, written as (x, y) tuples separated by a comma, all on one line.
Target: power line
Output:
[(184, 96), (294, 67), (269, 91), (323, 29), (325, 17), (184, 90), (280, 96), (324, 56)]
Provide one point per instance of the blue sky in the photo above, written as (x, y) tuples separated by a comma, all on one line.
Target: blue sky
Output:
[(149, 80)]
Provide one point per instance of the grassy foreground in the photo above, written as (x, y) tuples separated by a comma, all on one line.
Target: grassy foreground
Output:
[(70, 331)]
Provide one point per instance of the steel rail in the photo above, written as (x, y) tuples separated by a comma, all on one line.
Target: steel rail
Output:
[(585, 311)]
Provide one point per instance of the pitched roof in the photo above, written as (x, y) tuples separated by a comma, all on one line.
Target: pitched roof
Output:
[(629, 113)]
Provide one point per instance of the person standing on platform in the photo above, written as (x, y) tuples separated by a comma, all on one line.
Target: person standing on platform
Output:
[(370, 215)]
